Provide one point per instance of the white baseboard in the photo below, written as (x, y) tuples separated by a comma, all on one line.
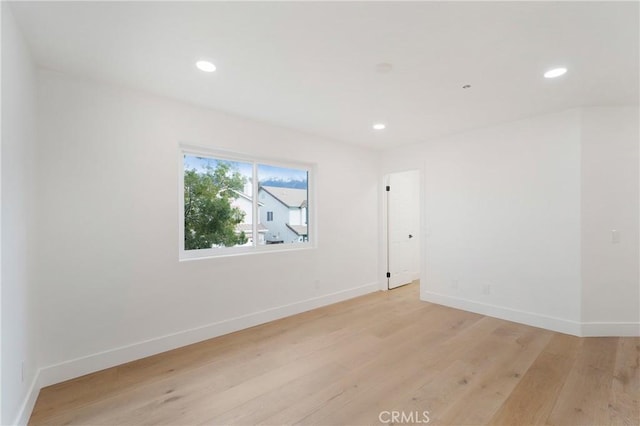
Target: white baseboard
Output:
[(581, 329), (77, 367), (29, 402), (604, 329), (560, 325)]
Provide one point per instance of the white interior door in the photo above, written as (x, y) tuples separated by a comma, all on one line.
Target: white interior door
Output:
[(403, 228)]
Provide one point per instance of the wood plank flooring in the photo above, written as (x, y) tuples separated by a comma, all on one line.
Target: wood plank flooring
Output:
[(347, 363)]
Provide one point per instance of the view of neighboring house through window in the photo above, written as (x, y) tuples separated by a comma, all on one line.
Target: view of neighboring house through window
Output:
[(284, 194), (221, 212)]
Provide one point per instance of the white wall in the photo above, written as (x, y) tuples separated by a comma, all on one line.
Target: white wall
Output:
[(502, 209), (611, 294), (18, 219), (524, 211), (512, 207), (1, 116), (109, 274)]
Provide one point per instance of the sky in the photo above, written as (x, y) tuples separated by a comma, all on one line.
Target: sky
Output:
[(265, 172)]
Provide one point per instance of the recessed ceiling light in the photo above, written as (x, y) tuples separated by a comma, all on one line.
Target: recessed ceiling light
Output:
[(379, 126), (205, 66), (556, 72)]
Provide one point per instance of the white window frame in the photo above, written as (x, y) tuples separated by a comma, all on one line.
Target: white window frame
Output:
[(184, 255)]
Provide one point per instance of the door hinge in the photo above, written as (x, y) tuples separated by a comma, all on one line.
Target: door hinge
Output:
[(388, 188), (388, 274)]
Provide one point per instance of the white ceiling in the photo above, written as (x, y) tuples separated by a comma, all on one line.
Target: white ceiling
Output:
[(312, 66)]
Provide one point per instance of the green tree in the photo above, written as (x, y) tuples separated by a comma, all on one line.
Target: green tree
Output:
[(209, 218)]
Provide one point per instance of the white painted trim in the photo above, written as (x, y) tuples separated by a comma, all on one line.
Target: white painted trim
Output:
[(560, 325), (77, 367), (383, 221), (22, 419), (603, 329), (386, 180), (88, 364), (211, 253)]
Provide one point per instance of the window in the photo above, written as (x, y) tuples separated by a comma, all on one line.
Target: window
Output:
[(230, 204)]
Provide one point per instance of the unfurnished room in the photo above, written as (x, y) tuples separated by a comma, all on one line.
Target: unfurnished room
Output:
[(320, 213)]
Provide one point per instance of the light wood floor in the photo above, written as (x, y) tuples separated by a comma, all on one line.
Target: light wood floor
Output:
[(346, 363)]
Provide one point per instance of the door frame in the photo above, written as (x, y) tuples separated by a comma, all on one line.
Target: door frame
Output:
[(385, 225)]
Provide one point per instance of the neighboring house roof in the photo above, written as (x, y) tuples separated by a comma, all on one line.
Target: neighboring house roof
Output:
[(290, 197), (298, 229), (245, 196), (247, 227)]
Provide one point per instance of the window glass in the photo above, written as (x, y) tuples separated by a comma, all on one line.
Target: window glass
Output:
[(234, 206), (218, 205), (284, 203)]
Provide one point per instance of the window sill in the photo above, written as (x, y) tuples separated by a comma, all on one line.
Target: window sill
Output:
[(186, 256)]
